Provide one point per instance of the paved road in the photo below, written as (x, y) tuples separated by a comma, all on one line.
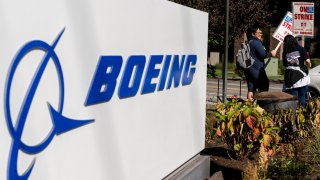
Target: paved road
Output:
[(233, 88)]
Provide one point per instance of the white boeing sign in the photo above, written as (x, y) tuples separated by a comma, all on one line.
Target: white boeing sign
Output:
[(111, 89)]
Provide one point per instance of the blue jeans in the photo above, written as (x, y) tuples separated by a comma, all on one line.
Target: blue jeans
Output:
[(257, 79), (300, 93)]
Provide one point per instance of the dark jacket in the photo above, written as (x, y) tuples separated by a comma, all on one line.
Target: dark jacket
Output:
[(296, 58), (259, 53)]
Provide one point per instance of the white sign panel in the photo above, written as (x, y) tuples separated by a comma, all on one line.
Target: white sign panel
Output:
[(303, 21), (111, 89), (284, 28)]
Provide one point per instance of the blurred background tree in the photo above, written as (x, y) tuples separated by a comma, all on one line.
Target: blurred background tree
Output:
[(243, 14)]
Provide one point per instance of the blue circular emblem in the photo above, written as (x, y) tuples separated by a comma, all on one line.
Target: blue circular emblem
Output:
[(61, 124)]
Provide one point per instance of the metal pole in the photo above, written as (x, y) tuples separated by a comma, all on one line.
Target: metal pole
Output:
[(218, 96), (225, 63), (240, 88), (302, 41)]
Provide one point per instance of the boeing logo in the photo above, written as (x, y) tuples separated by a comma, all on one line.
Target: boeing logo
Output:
[(175, 69), (60, 123), (161, 72)]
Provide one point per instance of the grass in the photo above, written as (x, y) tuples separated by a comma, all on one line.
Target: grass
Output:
[(298, 159), (232, 75), (315, 62)]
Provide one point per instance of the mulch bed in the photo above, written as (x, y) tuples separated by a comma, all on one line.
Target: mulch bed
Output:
[(221, 160)]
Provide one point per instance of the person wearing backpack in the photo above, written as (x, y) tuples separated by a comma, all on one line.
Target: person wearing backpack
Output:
[(256, 75)]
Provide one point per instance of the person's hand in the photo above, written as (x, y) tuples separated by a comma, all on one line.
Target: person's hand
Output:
[(250, 96), (273, 53), (308, 62)]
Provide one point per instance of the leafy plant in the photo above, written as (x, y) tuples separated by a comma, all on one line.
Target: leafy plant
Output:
[(302, 123), (308, 149), (299, 122), (287, 168), (239, 72), (298, 159), (287, 164), (281, 68), (211, 71), (285, 120), (244, 126), (243, 14), (312, 112)]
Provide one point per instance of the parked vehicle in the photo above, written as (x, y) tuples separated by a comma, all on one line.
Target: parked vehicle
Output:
[(314, 86)]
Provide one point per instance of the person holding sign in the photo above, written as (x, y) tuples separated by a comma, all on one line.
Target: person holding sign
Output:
[(296, 76), (256, 75)]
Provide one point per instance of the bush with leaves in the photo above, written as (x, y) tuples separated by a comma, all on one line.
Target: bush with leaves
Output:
[(211, 71), (312, 112), (288, 168), (244, 126), (308, 150), (299, 122), (285, 119)]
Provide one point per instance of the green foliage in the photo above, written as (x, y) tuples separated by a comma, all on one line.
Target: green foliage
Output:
[(308, 118), (230, 66), (308, 151), (232, 71), (285, 120), (305, 154), (313, 146), (243, 14), (299, 123), (315, 62), (239, 72), (303, 123), (298, 159), (309, 148), (287, 168), (244, 127), (281, 68), (312, 112), (211, 71)]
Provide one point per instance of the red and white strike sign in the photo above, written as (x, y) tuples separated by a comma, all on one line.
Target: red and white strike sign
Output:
[(303, 18), (284, 28)]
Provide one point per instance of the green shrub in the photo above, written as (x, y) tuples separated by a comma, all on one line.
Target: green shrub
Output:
[(211, 71), (309, 148), (299, 122), (287, 168), (281, 68), (244, 127), (315, 62), (230, 66), (285, 120)]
